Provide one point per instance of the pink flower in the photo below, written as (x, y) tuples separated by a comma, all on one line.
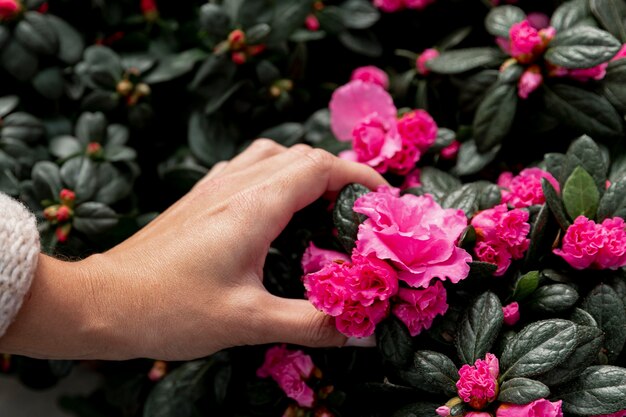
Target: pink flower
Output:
[(590, 245), (404, 160), (412, 179), (524, 190), (477, 384), (371, 74), (357, 320), (585, 74), (8, 9), (620, 54), (477, 414), (290, 369), (315, 258), (389, 5), (353, 102), (312, 23), (451, 151), (415, 234), (375, 142), (443, 411), (621, 413), (328, 289), (418, 129), (501, 235), (417, 4), (530, 80), (524, 39), (425, 56), (418, 308), (511, 314), (538, 408), (371, 280)]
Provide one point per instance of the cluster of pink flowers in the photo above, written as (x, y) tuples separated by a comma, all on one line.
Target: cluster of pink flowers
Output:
[(291, 369), (409, 239), (524, 190), (537, 408), (478, 384), (501, 236), (587, 244), (363, 112), (396, 5)]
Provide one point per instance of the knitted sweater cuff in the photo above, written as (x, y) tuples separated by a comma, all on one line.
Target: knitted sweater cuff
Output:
[(19, 250)]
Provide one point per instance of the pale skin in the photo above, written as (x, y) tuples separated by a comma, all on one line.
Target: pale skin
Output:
[(190, 283)]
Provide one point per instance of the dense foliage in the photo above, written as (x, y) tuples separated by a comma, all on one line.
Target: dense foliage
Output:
[(499, 126)]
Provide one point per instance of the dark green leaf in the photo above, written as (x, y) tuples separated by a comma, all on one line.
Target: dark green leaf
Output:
[(174, 66), (113, 185), (445, 137), (469, 161), (91, 127), (418, 409), (556, 205), (37, 34), (500, 19), (607, 309), (482, 269), (494, 116), (610, 13), (613, 202), (479, 328), (582, 47), (79, 174), (526, 285), (539, 347), (257, 33), (362, 42), (394, 343), (359, 14), (599, 390), (215, 20), (454, 38), (583, 110), (286, 134), (489, 195), (438, 183), (100, 100), (71, 44), (101, 66), (522, 391), (8, 104), (538, 230), (93, 218), (462, 60), (614, 84), (65, 146), (346, 220), (580, 194), (49, 83), (435, 372), (212, 139), (288, 16), (553, 298), (582, 318), (464, 198), (588, 345), (218, 98), (22, 126), (19, 61), (569, 14), (46, 181)]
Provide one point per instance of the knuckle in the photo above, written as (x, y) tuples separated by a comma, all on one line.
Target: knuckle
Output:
[(301, 148), (264, 146), (320, 159)]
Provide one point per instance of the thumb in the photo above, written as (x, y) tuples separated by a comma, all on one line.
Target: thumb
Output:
[(298, 322)]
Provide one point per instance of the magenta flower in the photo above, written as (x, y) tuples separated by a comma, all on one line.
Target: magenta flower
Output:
[(290, 369), (417, 4), (415, 234), (315, 258), (524, 39), (371, 280), (451, 151), (418, 129), (389, 5), (524, 190), (477, 384), (530, 80), (590, 245), (417, 309), (511, 314), (328, 288), (538, 408), (423, 58), (371, 74), (358, 320), (501, 235), (9, 9)]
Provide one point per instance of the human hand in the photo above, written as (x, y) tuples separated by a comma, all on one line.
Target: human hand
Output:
[(191, 282)]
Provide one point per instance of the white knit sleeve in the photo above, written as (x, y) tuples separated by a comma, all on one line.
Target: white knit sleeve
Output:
[(19, 250)]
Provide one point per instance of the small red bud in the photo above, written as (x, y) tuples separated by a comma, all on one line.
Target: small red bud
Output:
[(62, 232), (50, 213), (94, 149), (238, 58), (254, 50), (64, 213), (67, 197), (158, 371), (312, 23), (9, 9), (237, 39), (318, 5)]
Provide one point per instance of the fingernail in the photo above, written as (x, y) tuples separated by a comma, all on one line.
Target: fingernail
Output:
[(369, 341)]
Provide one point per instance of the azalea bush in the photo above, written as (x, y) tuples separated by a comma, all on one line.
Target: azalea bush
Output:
[(486, 280)]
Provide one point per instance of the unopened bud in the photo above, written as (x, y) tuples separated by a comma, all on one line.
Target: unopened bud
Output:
[(238, 58), (50, 213), (9, 9), (237, 39), (94, 149), (143, 89), (64, 213), (67, 197), (312, 23), (124, 88), (62, 232)]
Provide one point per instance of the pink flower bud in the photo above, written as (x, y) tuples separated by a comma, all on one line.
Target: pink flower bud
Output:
[(425, 56), (312, 23), (62, 232), (94, 149), (158, 371), (237, 39), (620, 54), (530, 80), (67, 197), (9, 9), (371, 74), (389, 5), (443, 411), (511, 314), (451, 151), (238, 58), (63, 214)]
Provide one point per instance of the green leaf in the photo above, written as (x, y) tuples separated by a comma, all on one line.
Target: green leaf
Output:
[(8, 104), (482, 269), (215, 20), (37, 34), (50, 83), (588, 345), (286, 134), (489, 195), (418, 409), (582, 318), (500, 19), (607, 309), (613, 202), (212, 139), (614, 84), (176, 394), (598, 390), (71, 44), (553, 298), (359, 14), (394, 343), (469, 161), (522, 391), (100, 100), (556, 205), (610, 13), (438, 183), (538, 239), (464, 198), (479, 328), (463, 60), (580, 194), (288, 16), (22, 126), (46, 181), (526, 285), (174, 66), (445, 138), (583, 110), (539, 347), (101, 67), (65, 146), (582, 47), (435, 373), (79, 174), (569, 14), (494, 116), (346, 220), (113, 185), (19, 61), (362, 42), (257, 33), (93, 218), (454, 38), (91, 127)]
